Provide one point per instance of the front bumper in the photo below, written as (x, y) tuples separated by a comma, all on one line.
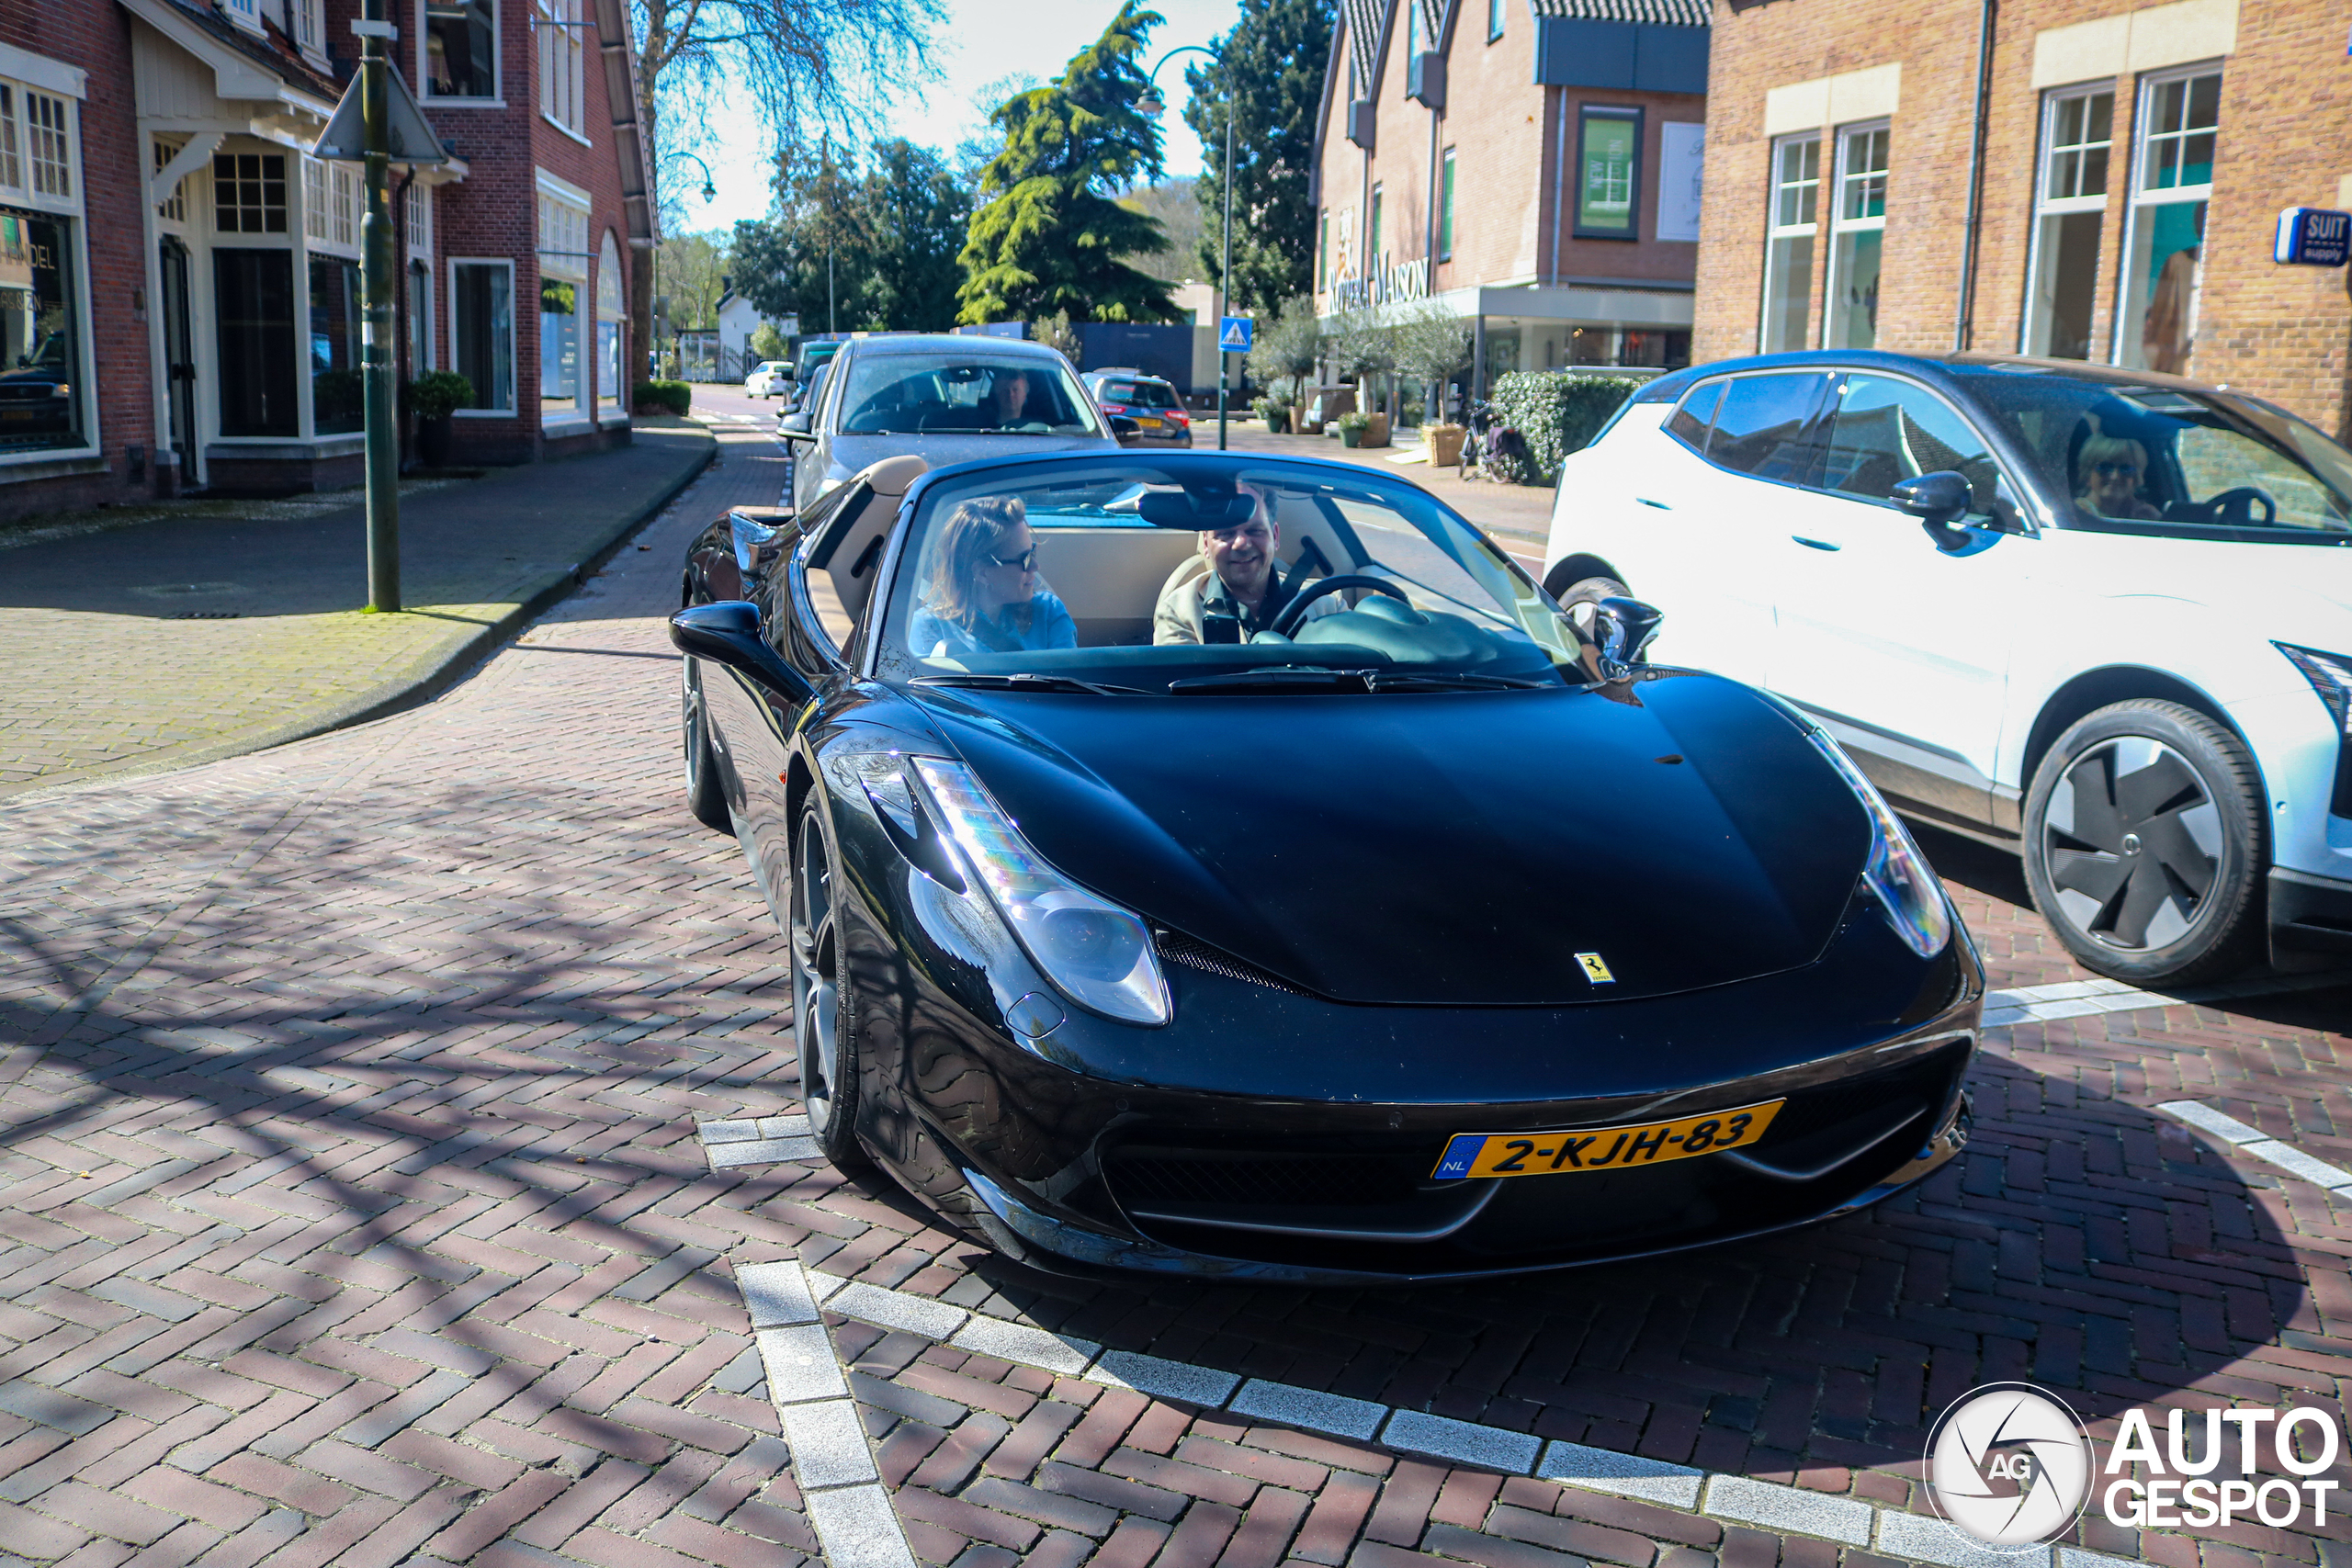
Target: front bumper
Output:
[(2308, 915), (1271, 1135)]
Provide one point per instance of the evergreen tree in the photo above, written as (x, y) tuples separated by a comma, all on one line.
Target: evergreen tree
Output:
[(1051, 231), (1269, 75), (891, 235)]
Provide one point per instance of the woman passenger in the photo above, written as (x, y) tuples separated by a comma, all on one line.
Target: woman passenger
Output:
[(2107, 474), (982, 594)]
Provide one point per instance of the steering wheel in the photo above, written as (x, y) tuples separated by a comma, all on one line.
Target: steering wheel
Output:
[(2235, 508), (1295, 613)]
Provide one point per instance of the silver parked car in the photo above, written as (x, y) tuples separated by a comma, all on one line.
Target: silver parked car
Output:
[(944, 397)]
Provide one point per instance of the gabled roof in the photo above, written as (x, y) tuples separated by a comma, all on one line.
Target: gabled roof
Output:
[(1663, 13), (237, 54)]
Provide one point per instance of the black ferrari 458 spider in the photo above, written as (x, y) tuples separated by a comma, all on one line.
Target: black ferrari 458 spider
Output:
[(1397, 925)]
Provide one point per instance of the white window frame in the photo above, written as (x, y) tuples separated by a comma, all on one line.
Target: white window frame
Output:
[(608, 401), (420, 219), (246, 14), (514, 330), (1840, 225), (497, 100), (2141, 198), (420, 314), (2032, 330), (562, 53), (1775, 231), (308, 21), (64, 83), (566, 214)]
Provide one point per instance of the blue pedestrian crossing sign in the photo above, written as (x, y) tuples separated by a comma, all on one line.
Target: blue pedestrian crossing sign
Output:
[(1233, 337)]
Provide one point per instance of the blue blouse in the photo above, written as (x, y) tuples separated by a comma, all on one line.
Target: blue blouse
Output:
[(931, 635)]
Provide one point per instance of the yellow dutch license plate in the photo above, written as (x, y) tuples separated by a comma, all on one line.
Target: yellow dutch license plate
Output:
[(1469, 1154), (1149, 422)]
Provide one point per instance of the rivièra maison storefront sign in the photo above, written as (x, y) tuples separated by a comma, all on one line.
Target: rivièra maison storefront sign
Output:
[(1390, 282)]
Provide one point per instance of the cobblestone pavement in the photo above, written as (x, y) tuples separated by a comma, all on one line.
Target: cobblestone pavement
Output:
[(354, 1211), (189, 637)]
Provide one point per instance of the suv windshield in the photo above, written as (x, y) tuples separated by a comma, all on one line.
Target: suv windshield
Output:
[(2163, 455), (1198, 577), (1139, 394), (906, 394)]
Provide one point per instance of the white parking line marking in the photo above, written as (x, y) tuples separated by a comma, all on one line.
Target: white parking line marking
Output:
[(2262, 1145), (2080, 998)]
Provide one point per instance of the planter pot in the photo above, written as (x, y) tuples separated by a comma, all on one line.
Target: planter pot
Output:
[(1278, 422), (1350, 436), (1445, 443), (432, 437), (1376, 434)]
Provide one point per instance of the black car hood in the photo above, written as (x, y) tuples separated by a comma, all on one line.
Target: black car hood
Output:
[(1439, 849)]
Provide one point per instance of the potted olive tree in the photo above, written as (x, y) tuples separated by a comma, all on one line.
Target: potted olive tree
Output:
[(435, 397), (1280, 359), (1432, 344)]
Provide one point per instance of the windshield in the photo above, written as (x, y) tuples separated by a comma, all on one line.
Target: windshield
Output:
[(1206, 574), (2126, 454), (906, 394), (1139, 394)]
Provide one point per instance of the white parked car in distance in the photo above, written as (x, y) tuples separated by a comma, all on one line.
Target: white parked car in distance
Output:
[(2098, 617), (768, 379)]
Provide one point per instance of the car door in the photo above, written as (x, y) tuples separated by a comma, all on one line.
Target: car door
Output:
[(1730, 511), (1900, 647)]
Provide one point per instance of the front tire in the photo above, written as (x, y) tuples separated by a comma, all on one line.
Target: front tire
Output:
[(825, 1024), (2144, 845), (704, 797)]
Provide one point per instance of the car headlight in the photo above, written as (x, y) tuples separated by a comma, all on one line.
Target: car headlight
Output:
[(2331, 676), (1906, 885), (1095, 953)]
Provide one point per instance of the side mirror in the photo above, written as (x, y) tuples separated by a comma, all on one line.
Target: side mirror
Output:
[(1619, 630), (756, 536), (793, 427), (728, 633), (1934, 499)]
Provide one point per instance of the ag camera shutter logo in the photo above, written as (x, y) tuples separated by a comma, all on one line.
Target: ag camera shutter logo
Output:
[(2009, 1465)]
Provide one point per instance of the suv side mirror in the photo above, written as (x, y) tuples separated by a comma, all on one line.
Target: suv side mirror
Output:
[(793, 427), (1937, 499)]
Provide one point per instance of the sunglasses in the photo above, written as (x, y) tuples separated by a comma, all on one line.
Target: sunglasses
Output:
[(1026, 561), (2116, 470)]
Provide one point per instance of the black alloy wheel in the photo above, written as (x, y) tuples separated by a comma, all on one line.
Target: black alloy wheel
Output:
[(824, 1030), (704, 797), (2143, 843)]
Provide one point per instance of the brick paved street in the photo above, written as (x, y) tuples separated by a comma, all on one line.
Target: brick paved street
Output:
[(355, 1211)]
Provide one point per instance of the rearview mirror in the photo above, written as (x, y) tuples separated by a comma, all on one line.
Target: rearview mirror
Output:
[(728, 633)]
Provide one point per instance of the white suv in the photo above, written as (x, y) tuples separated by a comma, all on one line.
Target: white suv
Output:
[(768, 379), (2101, 618)]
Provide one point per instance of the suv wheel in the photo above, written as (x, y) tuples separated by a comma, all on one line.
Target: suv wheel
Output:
[(2143, 843)]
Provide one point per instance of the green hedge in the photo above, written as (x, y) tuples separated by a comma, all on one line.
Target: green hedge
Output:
[(1557, 413), (675, 396)]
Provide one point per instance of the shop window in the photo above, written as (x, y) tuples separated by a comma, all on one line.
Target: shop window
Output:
[(42, 398), (2164, 243), (1788, 256), (249, 193), (1858, 233), (1445, 208), (561, 28), (481, 310), (2078, 133), (460, 49), (337, 403), (253, 305), (558, 345), (612, 325)]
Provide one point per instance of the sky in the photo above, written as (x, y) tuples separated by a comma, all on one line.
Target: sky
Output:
[(979, 44)]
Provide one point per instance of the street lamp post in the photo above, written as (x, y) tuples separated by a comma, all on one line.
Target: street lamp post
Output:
[(1152, 106), (709, 194)]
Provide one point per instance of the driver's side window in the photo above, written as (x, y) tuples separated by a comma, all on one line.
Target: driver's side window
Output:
[(1882, 432)]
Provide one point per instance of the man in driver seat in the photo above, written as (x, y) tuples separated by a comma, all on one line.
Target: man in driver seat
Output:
[(1244, 590)]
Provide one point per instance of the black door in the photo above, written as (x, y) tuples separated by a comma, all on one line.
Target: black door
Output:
[(179, 358)]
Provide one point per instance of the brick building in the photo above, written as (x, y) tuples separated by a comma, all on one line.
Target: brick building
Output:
[(179, 280), (2109, 194), (1530, 165)]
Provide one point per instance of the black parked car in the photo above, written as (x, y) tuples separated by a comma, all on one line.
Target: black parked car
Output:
[(1436, 936)]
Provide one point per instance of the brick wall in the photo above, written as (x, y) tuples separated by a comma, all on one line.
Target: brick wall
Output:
[(2285, 139)]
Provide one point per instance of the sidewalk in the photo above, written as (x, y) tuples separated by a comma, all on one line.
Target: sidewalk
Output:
[(1518, 517), (178, 640)]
